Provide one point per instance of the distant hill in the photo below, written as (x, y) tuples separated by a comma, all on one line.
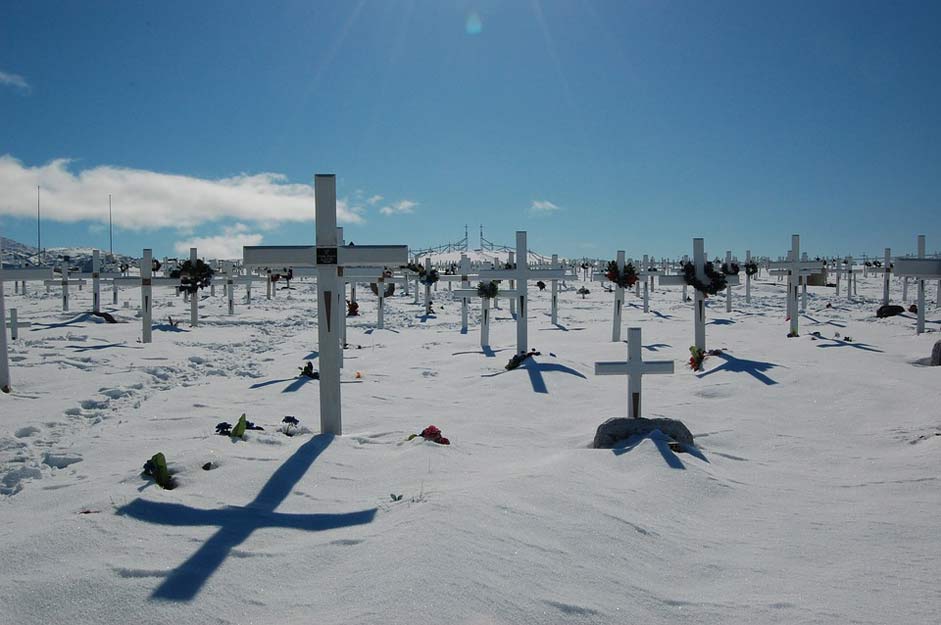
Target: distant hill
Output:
[(17, 254)]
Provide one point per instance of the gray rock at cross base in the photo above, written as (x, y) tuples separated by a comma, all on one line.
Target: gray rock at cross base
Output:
[(616, 429), (936, 354)]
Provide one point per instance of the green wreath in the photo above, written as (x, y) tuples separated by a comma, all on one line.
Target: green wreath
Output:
[(730, 269), (487, 289), (751, 268), (193, 277), (428, 278), (625, 279), (717, 281)]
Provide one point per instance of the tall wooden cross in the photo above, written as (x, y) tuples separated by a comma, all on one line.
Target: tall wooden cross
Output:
[(616, 315), (886, 275), (464, 276), (485, 308), (747, 277), (634, 369), (795, 269), (64, 282), (522, 273), (330, 259), (699, 301), (14, 324), (97, 276), (921, 269), (646, 274), (146, 281), (15, 274)]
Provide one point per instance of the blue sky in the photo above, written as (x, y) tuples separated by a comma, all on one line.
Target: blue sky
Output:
[(594, 125)]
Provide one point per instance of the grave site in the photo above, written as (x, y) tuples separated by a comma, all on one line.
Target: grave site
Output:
[(200, 458), (470, 312)]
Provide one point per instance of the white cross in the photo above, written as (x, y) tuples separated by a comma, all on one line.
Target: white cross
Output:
[(747, 277), (484, 308), (886, 275), (96, 276), (15, 325), (521, 274), (618, 297), (464, 276), (795, 269), (146, 282), (634, 369), (15, 274), (330, 258), (921, 269), (64, 282), (643, 273), (699, 301)]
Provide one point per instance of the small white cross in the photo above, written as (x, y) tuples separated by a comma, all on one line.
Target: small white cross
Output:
[(634, 369)]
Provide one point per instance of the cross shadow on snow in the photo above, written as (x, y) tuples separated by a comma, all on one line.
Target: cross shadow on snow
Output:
[(660, 440), (655, 346), (754, 368), (720, 322), (64, 324), (487, 351), (85, 348), (166, 327), (660, 315), (834, 342), (295, 383), (237, 523), (312, 356), (535, 370), (371, 330), (828, 322)]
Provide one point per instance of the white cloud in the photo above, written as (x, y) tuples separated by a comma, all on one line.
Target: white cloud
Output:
[(543, 207), (225, 246), (145, 199), (14, 80), (402, 207), (374, 200)]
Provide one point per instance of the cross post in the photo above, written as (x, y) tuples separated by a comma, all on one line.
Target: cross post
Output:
[(635, 368)]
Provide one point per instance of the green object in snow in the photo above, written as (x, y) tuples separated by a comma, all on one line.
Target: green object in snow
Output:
[(239, 430), (158, 469)]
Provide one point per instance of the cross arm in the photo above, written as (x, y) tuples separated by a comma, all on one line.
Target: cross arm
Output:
[(922, 268)]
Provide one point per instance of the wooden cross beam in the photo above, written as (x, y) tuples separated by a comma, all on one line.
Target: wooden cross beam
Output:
[(522, 274), (15, 325), (920, 269), (794, 268), (634, 368)]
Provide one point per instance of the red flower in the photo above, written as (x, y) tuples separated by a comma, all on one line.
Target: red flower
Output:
[(431, 432)]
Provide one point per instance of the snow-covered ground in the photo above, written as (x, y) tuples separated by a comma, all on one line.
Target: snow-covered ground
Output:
[(815, 497)]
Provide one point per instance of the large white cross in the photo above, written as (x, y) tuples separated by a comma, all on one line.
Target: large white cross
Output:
[(634, 369), (795, 269), (485, 308), (747, 277), (464, 276), (618, 297), (16, 274), (64, 282), (886, 275), (330, 259), (521, 274), (921, 269), (699, 298), (97, 276), (146, 282), (644, 273)]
